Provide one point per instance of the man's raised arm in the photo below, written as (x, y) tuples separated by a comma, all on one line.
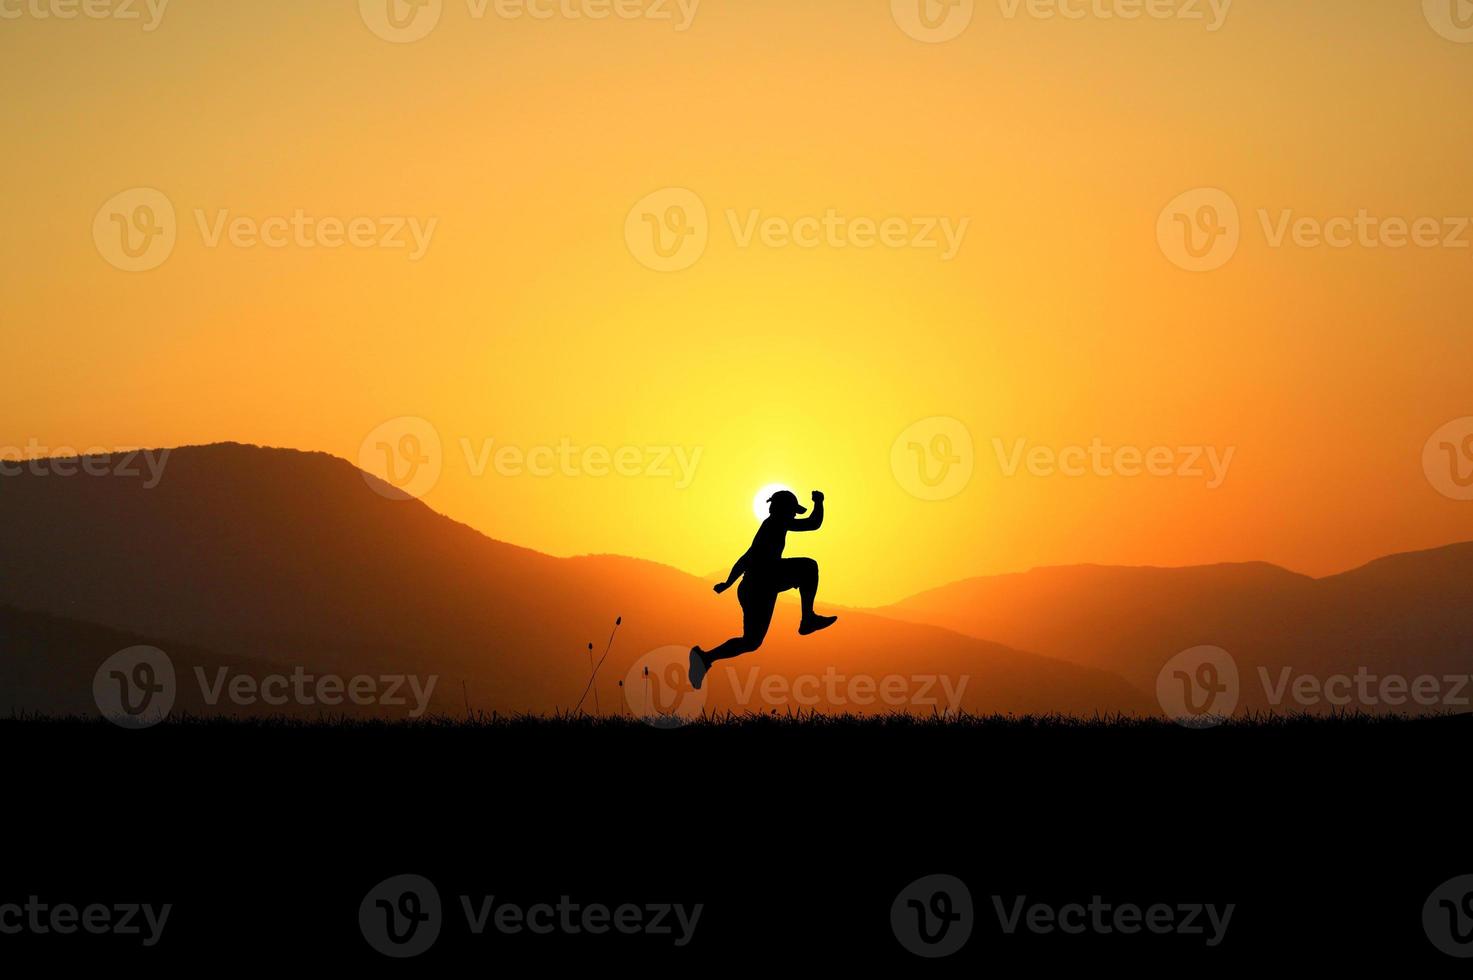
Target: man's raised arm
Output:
[(813, 521)]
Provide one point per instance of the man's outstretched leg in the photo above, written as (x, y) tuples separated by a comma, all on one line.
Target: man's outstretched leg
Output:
[(756, 618), (802, 573)]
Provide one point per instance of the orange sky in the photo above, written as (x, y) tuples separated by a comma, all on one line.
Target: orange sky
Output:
[(520, 148)]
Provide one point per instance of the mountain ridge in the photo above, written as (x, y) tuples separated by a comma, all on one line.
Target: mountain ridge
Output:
[(294, 557), (1403, 614)]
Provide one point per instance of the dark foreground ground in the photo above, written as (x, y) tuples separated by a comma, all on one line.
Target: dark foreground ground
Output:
[(796, 838)]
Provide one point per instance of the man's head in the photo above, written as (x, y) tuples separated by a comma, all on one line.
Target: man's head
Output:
[(784, 503)]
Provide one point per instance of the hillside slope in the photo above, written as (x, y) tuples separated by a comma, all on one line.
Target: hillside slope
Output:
[(294, 557)]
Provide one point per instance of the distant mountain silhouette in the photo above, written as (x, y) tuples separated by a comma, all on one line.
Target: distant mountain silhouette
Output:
[(290, 557), (1407, 614), (47, 664)]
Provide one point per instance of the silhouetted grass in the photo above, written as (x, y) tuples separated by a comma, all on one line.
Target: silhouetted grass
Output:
[(749, 721)]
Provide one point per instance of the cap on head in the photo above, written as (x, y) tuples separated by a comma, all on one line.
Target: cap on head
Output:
[(785, 502)]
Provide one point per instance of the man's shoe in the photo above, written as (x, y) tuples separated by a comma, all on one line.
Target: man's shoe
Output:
[(698, 667), (814, 623)]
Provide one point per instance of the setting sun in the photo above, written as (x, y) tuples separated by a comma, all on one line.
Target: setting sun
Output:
[(759, 502)]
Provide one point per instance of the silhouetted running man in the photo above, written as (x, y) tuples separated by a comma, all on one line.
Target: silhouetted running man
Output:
[(765, 573)]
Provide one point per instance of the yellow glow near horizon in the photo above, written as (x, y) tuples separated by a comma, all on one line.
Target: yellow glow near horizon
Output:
[(531, 319)]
